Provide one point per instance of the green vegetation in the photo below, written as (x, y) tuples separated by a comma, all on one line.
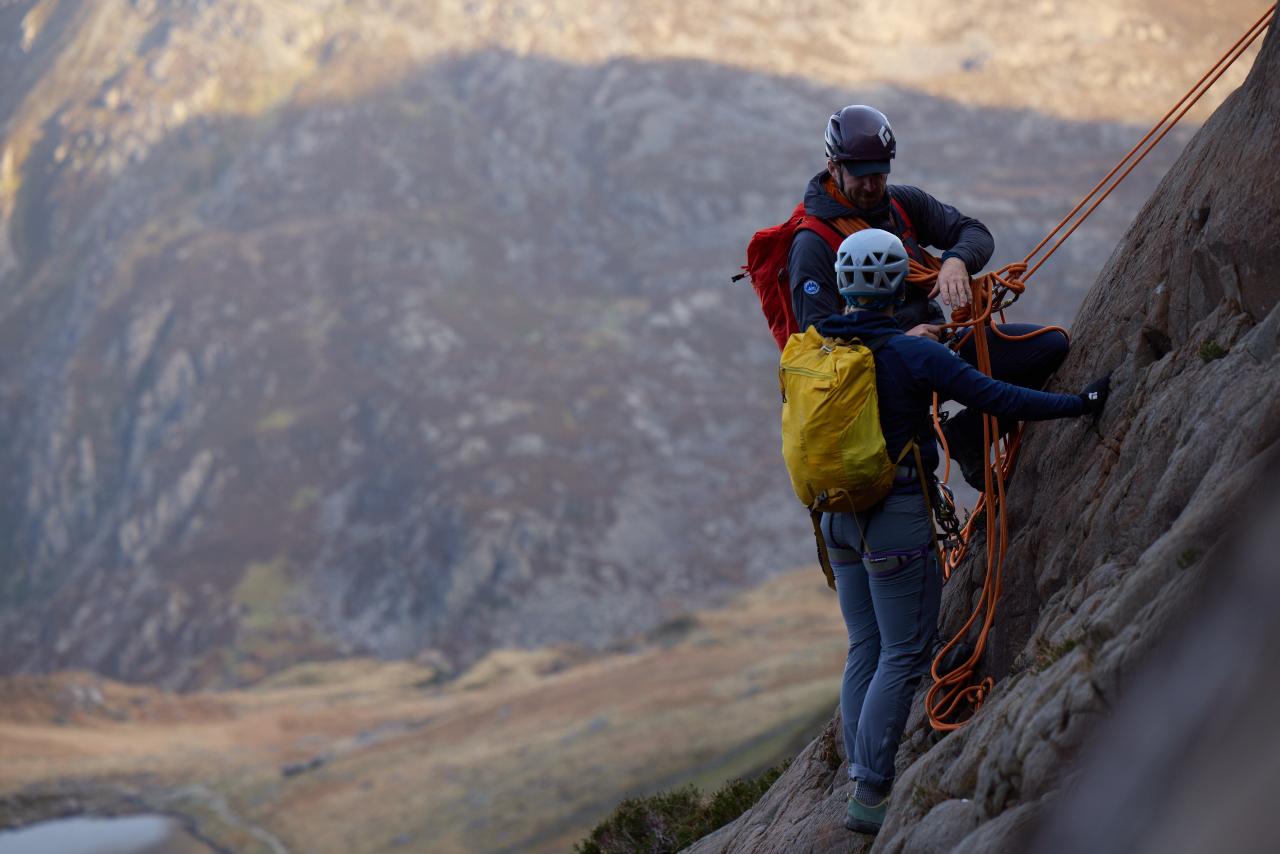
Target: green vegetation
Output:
[(277, 421), (262, 591), (1047, 654), (1210, 350), (827, 749), (304, 498), (672, 820), (925, 798), (1188, 557)]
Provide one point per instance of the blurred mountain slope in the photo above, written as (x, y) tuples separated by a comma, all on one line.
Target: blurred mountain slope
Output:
[(336, 328)]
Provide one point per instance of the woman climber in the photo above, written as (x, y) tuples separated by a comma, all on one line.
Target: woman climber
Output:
[(886, 572)]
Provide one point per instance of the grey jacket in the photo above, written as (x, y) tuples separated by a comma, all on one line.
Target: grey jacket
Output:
[(811, 264)]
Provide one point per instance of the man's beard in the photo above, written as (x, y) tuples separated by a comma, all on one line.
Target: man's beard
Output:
[(879, 210)]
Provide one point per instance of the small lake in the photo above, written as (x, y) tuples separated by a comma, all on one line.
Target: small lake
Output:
[(135, 834)]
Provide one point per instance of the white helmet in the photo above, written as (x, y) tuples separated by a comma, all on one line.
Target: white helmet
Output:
[(871, 268)]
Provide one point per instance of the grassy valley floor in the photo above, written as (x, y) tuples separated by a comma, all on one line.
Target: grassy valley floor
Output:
[(525, 752)]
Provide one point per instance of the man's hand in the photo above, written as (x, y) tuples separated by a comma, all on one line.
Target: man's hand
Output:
[(953, 283), (925, 330)]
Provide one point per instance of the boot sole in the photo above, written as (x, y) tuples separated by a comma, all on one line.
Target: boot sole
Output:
[(859, 826)]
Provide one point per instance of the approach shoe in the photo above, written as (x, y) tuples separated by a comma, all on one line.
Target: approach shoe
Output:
[(865, 818)]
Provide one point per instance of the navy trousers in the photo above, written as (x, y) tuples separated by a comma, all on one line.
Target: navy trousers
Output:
[(890, 609)]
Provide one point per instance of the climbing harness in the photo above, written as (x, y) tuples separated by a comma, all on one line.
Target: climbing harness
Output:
[(957, 694)]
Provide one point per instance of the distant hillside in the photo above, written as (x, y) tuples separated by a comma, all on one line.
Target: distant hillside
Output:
[(331, 328), (363, 755)]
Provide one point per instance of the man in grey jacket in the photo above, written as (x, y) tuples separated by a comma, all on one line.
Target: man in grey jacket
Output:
[(859, 146)]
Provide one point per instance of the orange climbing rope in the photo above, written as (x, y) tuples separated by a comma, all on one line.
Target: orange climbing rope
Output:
[(956, 695)]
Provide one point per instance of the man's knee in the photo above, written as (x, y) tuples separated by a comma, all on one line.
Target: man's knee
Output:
[(1057, 346), (1029, 362)]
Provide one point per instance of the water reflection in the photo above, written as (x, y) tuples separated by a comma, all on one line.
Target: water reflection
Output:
[(135, 834)]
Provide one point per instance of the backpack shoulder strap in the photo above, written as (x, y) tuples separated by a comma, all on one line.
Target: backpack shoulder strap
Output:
[(876, 343), (873, 344), (908, 230), (823, 229)]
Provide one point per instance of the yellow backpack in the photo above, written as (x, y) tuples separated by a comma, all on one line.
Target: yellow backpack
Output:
[(831, 437)]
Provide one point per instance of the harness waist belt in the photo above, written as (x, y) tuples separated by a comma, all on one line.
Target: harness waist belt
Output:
[(884, 561)]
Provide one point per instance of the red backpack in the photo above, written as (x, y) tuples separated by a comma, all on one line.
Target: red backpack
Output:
[(767, 256)]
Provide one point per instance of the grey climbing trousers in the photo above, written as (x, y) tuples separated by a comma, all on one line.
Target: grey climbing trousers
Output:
[(890, 607)]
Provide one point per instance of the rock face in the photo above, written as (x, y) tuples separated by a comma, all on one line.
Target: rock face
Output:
[(334, 328), (1121, 531)]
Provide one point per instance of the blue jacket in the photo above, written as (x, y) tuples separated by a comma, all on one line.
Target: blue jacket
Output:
[(812, 259), (909, 369)]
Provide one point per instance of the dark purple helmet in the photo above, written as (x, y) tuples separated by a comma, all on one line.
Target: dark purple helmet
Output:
[(860, 137)]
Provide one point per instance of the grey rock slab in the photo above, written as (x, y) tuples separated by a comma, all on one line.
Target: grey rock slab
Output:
[(942, 828)]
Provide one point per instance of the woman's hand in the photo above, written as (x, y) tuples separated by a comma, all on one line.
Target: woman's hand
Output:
[(925, 330)]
